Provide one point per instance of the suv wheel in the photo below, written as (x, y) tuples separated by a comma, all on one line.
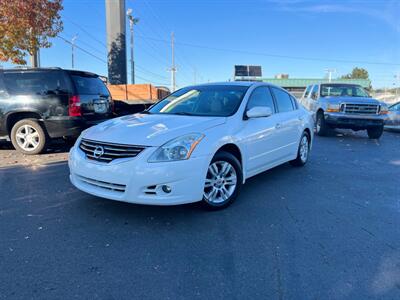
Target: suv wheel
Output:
[(321, 127), (28, 137), (223, 181), (303, 151), (375, 132)]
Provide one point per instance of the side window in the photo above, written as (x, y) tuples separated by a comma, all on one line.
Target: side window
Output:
[(307, 91), (38, 83), (295, 104), (261, 96), (314, 93), (283, 100)]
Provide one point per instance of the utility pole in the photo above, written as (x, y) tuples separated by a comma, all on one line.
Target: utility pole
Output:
[(330, 72), (132, 21), (73, 49), (34, 59), (173, 68)]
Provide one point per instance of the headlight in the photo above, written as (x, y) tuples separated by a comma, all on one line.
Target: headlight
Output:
[(333, 108), (384, 110), (177, 149)]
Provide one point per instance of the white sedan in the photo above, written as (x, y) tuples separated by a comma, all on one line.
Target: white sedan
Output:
[(200, 143)]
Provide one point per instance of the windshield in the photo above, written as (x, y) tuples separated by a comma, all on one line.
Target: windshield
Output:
[(207, 100), (337, 90)]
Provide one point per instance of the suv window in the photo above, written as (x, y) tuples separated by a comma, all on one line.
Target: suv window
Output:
[(307, 91), (89, 85), (38, 83), (261, 96), (283, 100), (314, 92)]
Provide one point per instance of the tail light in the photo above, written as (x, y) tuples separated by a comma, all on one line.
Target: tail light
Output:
[(74, 109)]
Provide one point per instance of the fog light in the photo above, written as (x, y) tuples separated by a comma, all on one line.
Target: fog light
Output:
[(166, 189)]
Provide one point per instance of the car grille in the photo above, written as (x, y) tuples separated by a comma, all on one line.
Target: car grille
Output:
[(369, 109), (116, 187), (107, 152)]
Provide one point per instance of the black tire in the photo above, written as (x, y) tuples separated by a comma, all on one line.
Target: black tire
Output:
[(233, 161), (300, 159), (375, 132), (322, 129), (41, 140)]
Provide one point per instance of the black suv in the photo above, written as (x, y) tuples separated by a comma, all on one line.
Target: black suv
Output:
[(39, 104)]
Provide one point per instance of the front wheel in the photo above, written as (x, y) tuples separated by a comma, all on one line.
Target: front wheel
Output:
[(375, 132), (322, 129), (223, 181)]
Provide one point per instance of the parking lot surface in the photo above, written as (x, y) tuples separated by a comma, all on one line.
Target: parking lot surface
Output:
[(329, 230)]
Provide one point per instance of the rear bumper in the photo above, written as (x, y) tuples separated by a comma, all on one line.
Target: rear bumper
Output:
[(340, 120), (69, 126)]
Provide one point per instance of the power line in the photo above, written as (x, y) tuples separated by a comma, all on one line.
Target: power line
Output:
[(275, 55), (82, 49), (87, 32)]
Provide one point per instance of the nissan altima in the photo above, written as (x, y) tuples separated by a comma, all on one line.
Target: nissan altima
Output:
[(201, 143)]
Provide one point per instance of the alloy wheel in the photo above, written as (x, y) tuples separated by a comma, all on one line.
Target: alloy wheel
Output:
[(27, 138), (304, 149), (220, 182)]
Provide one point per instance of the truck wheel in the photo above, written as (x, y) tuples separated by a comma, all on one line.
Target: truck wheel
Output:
[(28, 137), (375, 132), (322, 128)]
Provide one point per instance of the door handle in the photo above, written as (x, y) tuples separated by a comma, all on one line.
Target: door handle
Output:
[(278, 125)]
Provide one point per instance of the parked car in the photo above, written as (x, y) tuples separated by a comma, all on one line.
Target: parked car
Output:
[(393, 120), (39, 104), (201, 143), (338, 105)]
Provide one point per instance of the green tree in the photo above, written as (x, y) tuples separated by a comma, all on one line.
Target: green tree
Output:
[(26, 26), (357, 73)]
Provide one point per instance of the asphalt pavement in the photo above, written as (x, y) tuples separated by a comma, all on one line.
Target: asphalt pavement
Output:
[(330, 230)]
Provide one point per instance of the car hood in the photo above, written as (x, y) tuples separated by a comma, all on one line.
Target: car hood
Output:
[(354, 100), (149, 129)]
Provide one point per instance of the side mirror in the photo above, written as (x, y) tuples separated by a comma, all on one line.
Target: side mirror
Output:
[(314, 95), (259, 112)]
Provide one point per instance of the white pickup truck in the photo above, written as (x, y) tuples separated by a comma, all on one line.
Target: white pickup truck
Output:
[(338, 105)]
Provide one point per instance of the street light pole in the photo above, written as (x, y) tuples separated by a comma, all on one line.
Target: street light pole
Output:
[(72, 49), (132, 21)]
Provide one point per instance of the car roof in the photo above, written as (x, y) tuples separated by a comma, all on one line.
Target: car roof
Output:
[(29, 69), (235, 83), (340, 84)]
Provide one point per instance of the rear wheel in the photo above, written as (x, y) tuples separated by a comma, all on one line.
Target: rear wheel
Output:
[(303, 151), (322, 128), (28, 137), (375, 132), (223, 181)]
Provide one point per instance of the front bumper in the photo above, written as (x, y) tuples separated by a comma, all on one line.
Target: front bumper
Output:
[(134, 180), (341, 120)]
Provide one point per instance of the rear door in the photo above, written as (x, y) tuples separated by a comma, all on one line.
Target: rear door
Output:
[(94, 97), (289, 122)]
